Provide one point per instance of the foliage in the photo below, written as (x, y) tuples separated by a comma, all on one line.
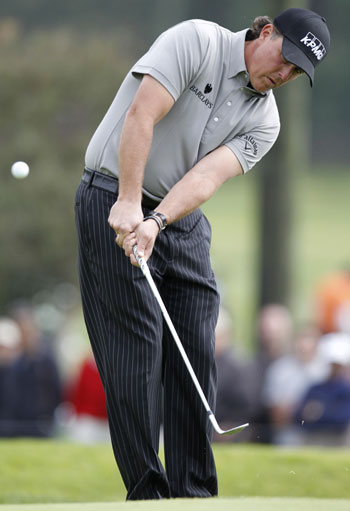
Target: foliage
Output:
[(54, 89), (56, 84)]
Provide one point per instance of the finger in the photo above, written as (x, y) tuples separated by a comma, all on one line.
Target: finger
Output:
[(139, 254), (129, 237), (129, 243), (123, 238), (133, 260), (119, 240), (148, 252), (145, 248)]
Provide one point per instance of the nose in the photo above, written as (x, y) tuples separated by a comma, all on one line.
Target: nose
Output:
[(286, 71)]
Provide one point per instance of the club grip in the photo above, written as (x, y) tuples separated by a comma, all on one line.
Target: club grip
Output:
[(140, 261), (137, 257)]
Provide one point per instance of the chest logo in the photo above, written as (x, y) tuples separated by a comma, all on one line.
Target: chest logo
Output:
[(200, 95), (208, 88)]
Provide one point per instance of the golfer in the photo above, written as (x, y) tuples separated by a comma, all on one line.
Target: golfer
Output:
[(196, 110)]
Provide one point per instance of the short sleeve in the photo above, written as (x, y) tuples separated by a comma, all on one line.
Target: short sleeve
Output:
[(251, 146), (174, 58)]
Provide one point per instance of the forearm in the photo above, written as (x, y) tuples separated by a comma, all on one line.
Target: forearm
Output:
[(199, 184), (134, 147), (187, 195)]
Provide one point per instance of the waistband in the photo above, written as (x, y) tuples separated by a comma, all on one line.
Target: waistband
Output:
[(110, 184)]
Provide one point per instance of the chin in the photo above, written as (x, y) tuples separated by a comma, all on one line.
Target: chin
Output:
[(262, 90), (260, 87)]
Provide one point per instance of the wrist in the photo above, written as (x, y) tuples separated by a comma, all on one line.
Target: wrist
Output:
[(130, 201), (158, 218)]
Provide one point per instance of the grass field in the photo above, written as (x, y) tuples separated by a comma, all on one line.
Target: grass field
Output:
[(56, 472), (239, 504)]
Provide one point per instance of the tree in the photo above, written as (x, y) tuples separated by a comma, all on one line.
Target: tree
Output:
[(275, 188)]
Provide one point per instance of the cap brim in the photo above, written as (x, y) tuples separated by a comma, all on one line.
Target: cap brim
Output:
[(295, 55)]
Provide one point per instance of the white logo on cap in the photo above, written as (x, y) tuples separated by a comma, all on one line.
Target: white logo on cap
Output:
[(311, 41)]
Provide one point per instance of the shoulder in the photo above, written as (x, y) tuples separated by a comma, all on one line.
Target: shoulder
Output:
[(200, 26), (271, 106), (198, 29)]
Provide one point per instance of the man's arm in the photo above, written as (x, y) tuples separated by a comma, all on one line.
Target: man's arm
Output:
[(195, 188), (200, 183), (151, 103)]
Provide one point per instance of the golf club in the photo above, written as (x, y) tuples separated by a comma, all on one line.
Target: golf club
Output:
[(145, 270)]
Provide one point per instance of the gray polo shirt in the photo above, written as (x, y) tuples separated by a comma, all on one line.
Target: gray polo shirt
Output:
[(202, 66)]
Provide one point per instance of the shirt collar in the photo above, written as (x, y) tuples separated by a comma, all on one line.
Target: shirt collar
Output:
[(237, 61)]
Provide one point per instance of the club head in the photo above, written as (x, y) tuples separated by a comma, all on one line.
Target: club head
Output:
[(231, 431)]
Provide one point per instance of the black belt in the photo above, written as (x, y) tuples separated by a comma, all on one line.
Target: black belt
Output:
[(110, 184)]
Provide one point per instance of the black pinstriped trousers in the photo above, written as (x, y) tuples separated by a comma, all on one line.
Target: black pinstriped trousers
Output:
[(142, 371)]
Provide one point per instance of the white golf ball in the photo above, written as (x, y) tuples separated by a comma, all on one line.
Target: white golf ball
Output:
[(20, 169)]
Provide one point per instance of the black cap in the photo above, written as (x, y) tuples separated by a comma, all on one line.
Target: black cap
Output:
[(306, 38)]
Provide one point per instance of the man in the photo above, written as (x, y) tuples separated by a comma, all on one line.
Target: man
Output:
[(196, 110)]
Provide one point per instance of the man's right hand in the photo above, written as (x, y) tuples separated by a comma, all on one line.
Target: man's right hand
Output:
[(124, 218), (145, 237)]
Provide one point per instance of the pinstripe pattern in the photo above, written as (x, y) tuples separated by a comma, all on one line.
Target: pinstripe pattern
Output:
[(135, 352)]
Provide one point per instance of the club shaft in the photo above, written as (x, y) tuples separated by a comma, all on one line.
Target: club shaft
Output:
[(172, 329), (145, 270)]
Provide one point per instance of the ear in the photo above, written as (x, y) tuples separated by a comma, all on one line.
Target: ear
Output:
[(266, 31)]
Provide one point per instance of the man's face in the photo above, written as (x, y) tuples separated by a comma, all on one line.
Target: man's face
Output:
[(267, 67)]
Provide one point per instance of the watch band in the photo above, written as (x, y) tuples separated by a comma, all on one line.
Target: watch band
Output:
[(159, 218), (162, 218)]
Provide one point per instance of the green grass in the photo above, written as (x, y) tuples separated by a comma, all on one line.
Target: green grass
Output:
[(57, 472), (241, 504)]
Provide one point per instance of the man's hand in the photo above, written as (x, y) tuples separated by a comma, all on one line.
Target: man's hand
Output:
[(144, 237), (124, 218)]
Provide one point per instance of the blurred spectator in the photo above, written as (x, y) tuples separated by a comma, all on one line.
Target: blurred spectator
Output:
[(333, 302), (89, 423), (10, 337), (287, 380), (234, 396), (323, 415), (274, 331), (31, 386)]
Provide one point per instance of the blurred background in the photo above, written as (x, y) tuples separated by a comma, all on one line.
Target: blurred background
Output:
[(281, 244)]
